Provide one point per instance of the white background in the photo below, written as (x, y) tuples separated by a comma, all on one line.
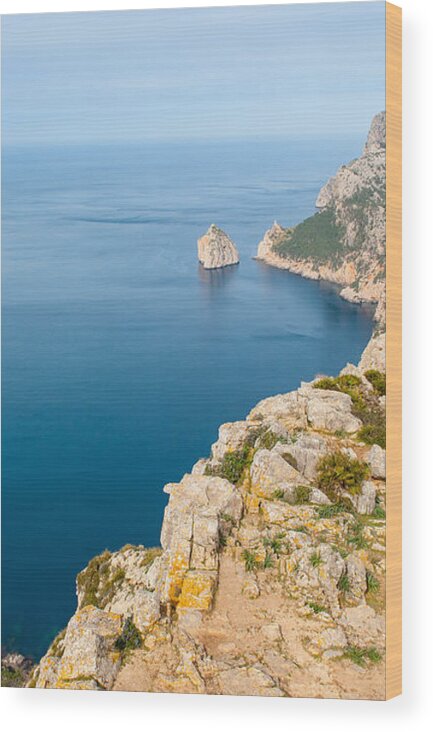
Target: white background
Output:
[(85, 711)]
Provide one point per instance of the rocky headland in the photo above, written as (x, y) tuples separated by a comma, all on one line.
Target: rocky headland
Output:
[(216, 249), (270, 576), (344, 242)]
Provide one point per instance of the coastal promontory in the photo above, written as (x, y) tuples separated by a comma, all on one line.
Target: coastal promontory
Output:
[(216, 249), (344, 241)]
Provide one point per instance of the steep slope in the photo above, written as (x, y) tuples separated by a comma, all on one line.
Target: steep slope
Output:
[(344, 242), (270, 576)]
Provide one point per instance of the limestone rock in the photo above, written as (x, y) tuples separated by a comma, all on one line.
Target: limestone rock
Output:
[(366, 501), (330, 639), (317, 496), (376, 459), (357, 577), (373, 356), (89, 654), (330, 410), (271, 473), (250, 588), (377, 135), (318, 570), (216, 249), (307, 450), (286, 408), (199, 468), (190, 532), (232, 436), (362, 626), (272, 237)]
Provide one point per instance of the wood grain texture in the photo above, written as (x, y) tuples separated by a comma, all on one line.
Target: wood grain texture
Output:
[(393, 351)]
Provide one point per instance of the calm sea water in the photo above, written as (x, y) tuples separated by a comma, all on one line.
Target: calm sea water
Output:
[(121, 356)]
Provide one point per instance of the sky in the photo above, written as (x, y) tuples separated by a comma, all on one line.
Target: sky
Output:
[(210, 73)]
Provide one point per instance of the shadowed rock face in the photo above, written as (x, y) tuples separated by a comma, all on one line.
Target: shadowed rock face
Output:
[(216, 249)]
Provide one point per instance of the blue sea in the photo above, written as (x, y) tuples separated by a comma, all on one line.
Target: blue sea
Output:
[(121, 355)]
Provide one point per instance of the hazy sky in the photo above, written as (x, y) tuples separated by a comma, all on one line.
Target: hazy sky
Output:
[(264, 71)]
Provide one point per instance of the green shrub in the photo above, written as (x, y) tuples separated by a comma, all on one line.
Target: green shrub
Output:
[(356, 536), (12, 678), (250, 560), (338, 473), (379, 512), (275, 544), (130, 638), (269, 439), (268, 562), (316, 608), (279, 494), (325, 512), (373, 430), (232, 465), (318, 237), (344, 583), (361, 655), (89, 579), (372, 583), (378, 381), (56, 648), (302, 494), (346, 384), (99, 581), (315, 559)]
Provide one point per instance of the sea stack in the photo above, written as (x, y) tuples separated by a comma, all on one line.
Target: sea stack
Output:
[(216, 249)]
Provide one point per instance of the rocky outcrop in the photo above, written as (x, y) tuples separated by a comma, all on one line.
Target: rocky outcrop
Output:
[(260, 570), (270, 575), (344, 242), (216, 249)]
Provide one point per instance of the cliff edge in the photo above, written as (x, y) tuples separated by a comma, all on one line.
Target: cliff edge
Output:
[(270, 575)]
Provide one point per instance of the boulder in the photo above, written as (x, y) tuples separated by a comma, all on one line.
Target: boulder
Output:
[(376, 459), (286, 408), (330, 410), (366, 500), (318, 570), (357, 577), (317, 496), (307, 450), (363, 627), (270, 473), (89, 656)]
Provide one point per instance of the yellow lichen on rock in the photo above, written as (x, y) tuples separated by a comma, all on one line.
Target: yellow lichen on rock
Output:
[(198, 590)]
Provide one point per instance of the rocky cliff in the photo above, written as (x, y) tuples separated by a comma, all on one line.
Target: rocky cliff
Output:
[(344, 242), (216, 249), (270, 575)]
